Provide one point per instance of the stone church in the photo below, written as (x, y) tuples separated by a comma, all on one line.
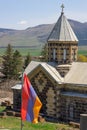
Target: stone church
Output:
[(60, 83)]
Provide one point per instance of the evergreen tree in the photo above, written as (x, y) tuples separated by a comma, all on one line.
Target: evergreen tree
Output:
[(12, 63), (27, 60), (44, 53), (17, 64), (8, 62)]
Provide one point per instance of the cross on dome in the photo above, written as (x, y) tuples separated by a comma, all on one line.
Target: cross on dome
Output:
[(62, 6)]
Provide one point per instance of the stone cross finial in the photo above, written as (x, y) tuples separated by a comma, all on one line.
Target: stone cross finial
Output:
[(62, 6)]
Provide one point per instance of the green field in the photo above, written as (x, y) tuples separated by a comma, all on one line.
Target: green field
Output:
[(24, 51), (14, 123), (36, 51), (82, 52)]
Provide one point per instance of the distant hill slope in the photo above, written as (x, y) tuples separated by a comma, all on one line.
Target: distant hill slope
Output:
[(37, 36)]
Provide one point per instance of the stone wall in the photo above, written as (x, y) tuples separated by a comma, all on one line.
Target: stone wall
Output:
[(56, 105), (63, 69), (75, 88), (70, 47), (48, 94), (72, 107), (17, 100)]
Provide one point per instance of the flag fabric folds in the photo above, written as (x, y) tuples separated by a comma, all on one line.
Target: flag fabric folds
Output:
[(30, 103)]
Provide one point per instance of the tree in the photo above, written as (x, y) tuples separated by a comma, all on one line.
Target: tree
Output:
[(27, 60), (17, 64), (8, 62), (12, 63), (44, 53), (82, 58)]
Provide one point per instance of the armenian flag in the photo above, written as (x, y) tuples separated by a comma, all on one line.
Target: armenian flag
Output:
[(30, 103)]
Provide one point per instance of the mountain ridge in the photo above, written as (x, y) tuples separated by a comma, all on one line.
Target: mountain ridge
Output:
[(35, 36)]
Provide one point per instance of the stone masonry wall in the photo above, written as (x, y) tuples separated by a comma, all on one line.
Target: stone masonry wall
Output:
[(55, 104), (72, 107), (75, 88), (48, 94), (16, 100)]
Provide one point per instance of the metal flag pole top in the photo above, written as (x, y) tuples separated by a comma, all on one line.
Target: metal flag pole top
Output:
[(21, 97)]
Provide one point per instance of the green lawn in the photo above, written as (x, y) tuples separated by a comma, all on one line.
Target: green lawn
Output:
[(14, 123)]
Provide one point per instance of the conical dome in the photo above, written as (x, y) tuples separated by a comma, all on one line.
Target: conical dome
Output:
[(62, 31)]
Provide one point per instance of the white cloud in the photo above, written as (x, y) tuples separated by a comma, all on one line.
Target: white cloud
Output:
[(23, 22)]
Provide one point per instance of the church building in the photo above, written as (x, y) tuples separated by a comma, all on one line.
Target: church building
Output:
[(60, 83), (62, 42)]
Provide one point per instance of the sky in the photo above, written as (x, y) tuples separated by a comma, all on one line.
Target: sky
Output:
[(21, 14)]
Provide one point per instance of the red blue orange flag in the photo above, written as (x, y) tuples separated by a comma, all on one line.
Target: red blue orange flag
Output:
[(31, 104)]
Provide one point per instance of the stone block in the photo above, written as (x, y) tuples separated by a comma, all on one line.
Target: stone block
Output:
[(2, 113), (10, 113), (17, 114), (83, 122), (41, 119)]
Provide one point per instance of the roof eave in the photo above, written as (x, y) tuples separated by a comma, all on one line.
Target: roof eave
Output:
[(77, 84), (61, 41)]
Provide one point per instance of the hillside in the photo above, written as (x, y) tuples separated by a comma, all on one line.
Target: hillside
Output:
[(37, 36)]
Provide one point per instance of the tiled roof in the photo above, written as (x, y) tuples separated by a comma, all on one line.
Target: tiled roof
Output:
[(47, 68), (77, 74), (17, 86), (62, 31)]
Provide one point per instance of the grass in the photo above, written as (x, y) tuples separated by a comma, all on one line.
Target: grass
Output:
[(32, 51), (36, 51), (24, 51), (82, 52), (2, 108), (15, 124)]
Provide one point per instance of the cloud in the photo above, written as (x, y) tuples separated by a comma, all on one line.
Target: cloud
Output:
[(23, 22)]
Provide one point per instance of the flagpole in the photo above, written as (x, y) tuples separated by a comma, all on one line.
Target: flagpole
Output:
[(21, 97), (28, 97)]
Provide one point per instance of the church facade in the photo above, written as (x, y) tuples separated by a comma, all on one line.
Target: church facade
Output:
[(60, 83)]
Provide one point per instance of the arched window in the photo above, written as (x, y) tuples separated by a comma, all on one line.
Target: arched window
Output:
[(64, 54), (54, 54)]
